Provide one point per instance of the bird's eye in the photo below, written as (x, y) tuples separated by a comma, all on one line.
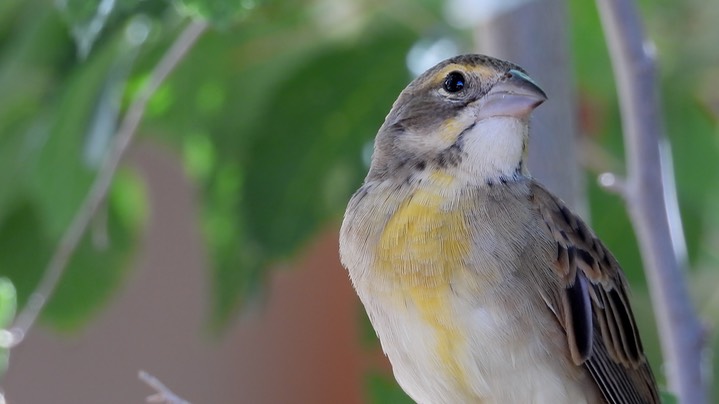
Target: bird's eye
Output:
[(454, 82)]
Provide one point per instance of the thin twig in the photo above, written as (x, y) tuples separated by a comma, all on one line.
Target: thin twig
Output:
[(163, 394), (98, 191), (646, 198)]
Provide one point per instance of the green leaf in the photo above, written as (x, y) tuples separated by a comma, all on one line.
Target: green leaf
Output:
[(239, 267), (8, 305), (91, 276), (26, 249), (384, 390), (88, 19), (65, 161), (102, 259), (305, 160), (590, 56), (667, 397), (54, 113), (286, 159), (223, 85), (220, 12), (34, 43), (302, 162), (8, 302), (206, 110), (94, 273)]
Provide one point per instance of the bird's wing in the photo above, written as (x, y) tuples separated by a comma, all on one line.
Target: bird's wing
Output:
[(593, 308)]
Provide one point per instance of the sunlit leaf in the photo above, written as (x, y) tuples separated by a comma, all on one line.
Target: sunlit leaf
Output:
[(219, 12), (199, 155), (8, 302), (88, 19), (8, 305)]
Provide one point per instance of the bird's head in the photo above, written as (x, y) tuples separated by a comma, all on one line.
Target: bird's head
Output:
[(469, 113)]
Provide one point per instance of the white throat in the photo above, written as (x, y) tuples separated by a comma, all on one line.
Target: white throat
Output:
[(494, 148)]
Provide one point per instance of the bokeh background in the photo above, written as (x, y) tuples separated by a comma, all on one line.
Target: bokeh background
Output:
[(213, 262)]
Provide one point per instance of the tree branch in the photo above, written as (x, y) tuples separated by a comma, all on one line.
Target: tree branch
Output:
[(647, 194), (100, 187)]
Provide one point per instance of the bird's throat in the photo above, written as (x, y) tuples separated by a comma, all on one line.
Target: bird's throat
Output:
[(495, 150)]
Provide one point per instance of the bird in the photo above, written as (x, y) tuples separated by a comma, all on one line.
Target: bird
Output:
[(483, 286)]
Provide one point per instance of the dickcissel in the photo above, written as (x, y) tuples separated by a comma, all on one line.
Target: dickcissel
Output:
[(482, 286)]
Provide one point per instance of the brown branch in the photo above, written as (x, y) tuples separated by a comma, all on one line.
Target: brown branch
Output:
[(100, 187), (646, 197)]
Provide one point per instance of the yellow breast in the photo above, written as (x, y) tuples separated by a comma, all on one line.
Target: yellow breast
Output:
[(424, 244)]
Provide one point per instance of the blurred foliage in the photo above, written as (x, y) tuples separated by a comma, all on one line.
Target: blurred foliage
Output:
[(668, 398), (271, 113), (221, 12), (8, 306), (382, 390)]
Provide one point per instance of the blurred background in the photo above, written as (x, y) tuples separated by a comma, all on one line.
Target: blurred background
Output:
[(213, 264)]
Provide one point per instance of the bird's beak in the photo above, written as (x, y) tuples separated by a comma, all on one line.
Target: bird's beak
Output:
[(516, 95)]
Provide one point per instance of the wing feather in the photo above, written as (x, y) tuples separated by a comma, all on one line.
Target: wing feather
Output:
[(593, 308)]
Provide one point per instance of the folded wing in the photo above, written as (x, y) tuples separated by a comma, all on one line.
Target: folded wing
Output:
[(593, 308)]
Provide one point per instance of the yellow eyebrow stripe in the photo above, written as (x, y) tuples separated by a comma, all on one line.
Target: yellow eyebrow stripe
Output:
[(484, 72)]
